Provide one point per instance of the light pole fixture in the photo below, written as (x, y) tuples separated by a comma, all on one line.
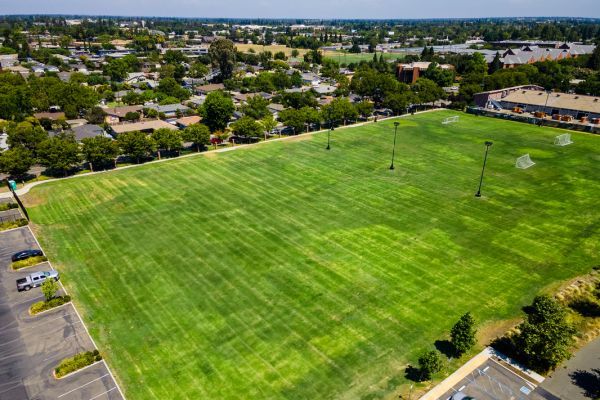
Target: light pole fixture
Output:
[(487, 147), (394, 147)]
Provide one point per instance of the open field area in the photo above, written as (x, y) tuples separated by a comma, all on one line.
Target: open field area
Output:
[(274, 48), (347, 58), (284, 270)]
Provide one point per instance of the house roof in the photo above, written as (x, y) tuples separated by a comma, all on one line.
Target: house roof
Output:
[(186, 121), (565, 101), (168, 108), (121, 111), (49, 115), (212, 87), (88, 131), (148, 125)]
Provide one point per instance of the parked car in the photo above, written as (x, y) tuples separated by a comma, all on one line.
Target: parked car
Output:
[(25, 254), (36, 279)]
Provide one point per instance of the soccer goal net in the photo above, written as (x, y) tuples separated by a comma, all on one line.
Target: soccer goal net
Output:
[(524, 162), (450, 120), (563, 140)]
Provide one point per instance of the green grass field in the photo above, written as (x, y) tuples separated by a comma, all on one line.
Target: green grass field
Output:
[(287, 271), (347, 58)]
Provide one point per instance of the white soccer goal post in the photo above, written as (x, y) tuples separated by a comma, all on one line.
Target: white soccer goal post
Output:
[(563, 140), (450, 120), (524, 162)]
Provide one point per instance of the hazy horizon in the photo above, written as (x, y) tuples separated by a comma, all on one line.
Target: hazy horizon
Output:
[(309, 9)]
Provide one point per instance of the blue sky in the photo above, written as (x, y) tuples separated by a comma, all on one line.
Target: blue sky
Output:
[(309, 8)]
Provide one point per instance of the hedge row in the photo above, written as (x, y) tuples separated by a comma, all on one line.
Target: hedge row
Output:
[(76, 362), (28, 262), (13, 224), (47, 305), (8, 206)]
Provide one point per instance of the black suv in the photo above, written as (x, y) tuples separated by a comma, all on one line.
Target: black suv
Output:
[(25, 254)]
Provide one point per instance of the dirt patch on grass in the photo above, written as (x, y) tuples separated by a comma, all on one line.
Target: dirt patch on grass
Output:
[(492, 330), (34, 198)]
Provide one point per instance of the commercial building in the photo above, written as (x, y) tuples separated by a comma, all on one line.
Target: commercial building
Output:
[(409, 73)]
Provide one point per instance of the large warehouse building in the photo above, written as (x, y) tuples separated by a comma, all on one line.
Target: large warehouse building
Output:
[(532, 99)]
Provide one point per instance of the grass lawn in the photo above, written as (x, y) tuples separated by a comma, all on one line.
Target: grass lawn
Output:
[(347, 58), (287, 271), (274, 48)]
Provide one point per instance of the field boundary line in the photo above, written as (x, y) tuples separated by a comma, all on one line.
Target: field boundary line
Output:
[(24, 190), (81, 320)]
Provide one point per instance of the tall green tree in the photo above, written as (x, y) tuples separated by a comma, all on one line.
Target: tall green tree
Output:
[(49, 289), (222, 55), (99, 151), (545, 338), (28, 134), (217, 110), (137, 145), (256, 107), (59, 153), (16, 161), (463, 334), (268, 123), (246, 127), (166, 139), (199, 134)]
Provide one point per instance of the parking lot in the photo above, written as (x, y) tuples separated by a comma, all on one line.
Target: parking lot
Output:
[(495, 380), (31, 346)]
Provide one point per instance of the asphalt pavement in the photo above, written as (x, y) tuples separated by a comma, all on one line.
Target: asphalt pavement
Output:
[(31, 346)]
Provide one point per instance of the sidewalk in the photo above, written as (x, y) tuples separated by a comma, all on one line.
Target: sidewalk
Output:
[(25, 189)]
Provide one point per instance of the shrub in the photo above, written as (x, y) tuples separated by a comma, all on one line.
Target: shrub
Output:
[(28, 262), (13, 224), (7, 206), (49, 289), (76, 362), (40, 306)]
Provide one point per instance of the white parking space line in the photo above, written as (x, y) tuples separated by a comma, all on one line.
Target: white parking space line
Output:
[(36, 325), (85, 384), (10, 388), (109, 390), (27, 301)]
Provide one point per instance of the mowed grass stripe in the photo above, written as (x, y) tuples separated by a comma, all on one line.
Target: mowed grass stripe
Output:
[(288, 271)]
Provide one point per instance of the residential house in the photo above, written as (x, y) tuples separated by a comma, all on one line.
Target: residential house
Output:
[(206, 89), (147, 126), (115, 115), (184, 122), (169, 110)]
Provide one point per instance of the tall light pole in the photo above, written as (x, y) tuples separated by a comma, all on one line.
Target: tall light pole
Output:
[(329, 134), (394, 147), (487, 147)]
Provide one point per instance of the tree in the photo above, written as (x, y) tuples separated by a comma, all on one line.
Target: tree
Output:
[(340, 109), (199, 134), (198, 70), (99, 151), (594, 60), (136, 144), (26, 134), (167, 139), (427, 90), (463, 334), (217, 110), (545, 337), (364, 108), (246, 127), (95, 115), (222, 55), (496, 65), (132, 116), (442, 77), (170, 87), (256, 107), (49, 289), (430, 363), (268, 123), (59, 153), (295, 53), (16, 161)]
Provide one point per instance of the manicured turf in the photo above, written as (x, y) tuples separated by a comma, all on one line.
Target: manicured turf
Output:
[(347, 58), (287, 271)]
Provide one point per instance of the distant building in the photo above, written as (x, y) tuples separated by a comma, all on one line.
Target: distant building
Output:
[(490, 98), (169, 110), (409, 73), (114, 115)]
